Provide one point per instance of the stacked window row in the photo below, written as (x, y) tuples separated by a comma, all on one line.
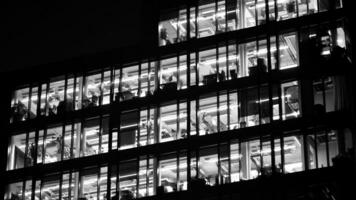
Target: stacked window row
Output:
[(222, 62), (210, 65), (205, 166), (211, 113), (212, 17)]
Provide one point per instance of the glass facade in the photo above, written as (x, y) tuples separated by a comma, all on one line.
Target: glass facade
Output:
[(222, 111), (213, 17), (232, 161)]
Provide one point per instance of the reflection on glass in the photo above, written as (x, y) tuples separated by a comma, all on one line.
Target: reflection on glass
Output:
[(293, 152), (53, 145), (207, 67), (20, 105), (290, 100), (208, 166), (128, 180), (55, 95), (168, 123), (90, 140), (288, 51), (128, 129), (207, 115), (206, 18), (168, 173), (17, 152), (129, 83)]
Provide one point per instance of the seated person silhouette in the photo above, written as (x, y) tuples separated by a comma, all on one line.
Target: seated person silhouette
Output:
[(164, 37)]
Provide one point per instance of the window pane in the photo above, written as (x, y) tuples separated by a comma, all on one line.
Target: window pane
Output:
[(168, 123), (33, 102), (92, 90), (182, 121), (206, 18), (128, 180), (19, 105), (69, 105), (233, 12), (248, 57), (193, 22), (55, 95), (293, 154), (14, 191), (167, 30), (250, 159), (168, 173), (129, 83), (286, 9), (208, 165), (207, 67), (128, 129), (288, 51), (249, 19), (90, 138), (233, 111), (182, 75), (50, 188), (53, 144), (182, 25), (290, 100), (106, 88), (16, 151), (208, 115), (168, 74), (78, 94), (221, 17), (144, 80), (235, 161)]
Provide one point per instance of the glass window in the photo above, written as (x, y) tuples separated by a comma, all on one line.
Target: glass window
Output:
[(43, 100), (288, 51), (168, 74), (182, 72), (291, 107), (55, 95), (286, 9), (249, 108), (182, 25), (106, 88), (17, 152), (144, 80), (232, 15), (168, 173), (33, 102), (222, 63), (248, 58), (53, 144), (128, 179), (92, 90), (208, 165), (221, 16), (233, 63), (207, 115), (250, 159), (293, 152), (232, 111), (172, 27), (129, 83), (129, 123), (193, 22), (50, 188), (78, 92), (20, 105), (249, 13), (207, 67), (223, 164), (69, 141), (235, 161), (146, 175), (90, 140), (14, 191), (69, 104), (206, 18), (168, 123)]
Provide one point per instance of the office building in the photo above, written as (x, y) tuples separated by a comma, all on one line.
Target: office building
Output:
[(230, 99)]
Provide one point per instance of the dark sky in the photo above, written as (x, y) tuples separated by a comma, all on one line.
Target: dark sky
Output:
[(40, 33)]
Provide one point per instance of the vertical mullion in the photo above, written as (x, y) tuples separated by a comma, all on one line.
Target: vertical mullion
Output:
[(100, 133), (97, 181), (101, 85), (43, 149), (218, 110), (29, 104), (63, 140), (327, 147), (282, 151), (228, 109), (26, 148), (177, 162), (60, 185)]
